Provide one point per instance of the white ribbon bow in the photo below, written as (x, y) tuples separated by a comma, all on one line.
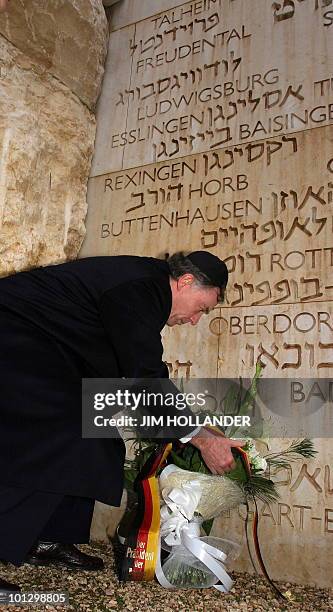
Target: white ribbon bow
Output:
[(179, 527)]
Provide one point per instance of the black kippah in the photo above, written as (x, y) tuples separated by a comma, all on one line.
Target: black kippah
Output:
[(212, 266)]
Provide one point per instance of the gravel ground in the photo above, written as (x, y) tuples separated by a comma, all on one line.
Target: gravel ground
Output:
[(101, 592)]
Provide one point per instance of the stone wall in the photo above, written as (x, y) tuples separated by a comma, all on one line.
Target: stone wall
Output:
[(52, 56), (215, 131)]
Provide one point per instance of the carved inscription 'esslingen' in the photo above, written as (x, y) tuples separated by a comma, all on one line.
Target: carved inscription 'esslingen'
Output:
[(203, 127)]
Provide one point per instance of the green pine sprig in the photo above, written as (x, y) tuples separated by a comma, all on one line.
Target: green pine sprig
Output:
[(298, 448), (261, 488)]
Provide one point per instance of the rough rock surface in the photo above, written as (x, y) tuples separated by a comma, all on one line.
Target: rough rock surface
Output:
[(51, 66), (68, 38)]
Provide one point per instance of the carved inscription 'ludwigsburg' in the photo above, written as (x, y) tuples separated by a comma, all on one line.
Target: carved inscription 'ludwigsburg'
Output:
[(202, 76), (201, 79)]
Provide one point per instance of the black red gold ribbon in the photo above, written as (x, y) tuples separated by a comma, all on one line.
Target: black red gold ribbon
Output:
[(142, 543)]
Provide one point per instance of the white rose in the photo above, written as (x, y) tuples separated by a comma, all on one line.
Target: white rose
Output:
[(260, 464), (252, 451)]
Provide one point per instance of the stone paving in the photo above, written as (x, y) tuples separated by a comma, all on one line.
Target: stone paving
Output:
[(101, 592)]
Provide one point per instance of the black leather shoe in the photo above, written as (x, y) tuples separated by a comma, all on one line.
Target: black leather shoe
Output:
[(66, 555), (8, 587)]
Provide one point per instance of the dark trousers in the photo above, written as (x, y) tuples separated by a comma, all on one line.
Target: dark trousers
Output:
[(27, 516)]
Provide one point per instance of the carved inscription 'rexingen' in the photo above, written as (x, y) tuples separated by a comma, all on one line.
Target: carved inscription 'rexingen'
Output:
[(252, 203)]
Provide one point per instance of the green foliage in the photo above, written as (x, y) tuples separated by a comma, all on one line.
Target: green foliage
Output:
[(238, 474), (298, 448), (187, 457), (236, 402), (207, 526), (261, 488)]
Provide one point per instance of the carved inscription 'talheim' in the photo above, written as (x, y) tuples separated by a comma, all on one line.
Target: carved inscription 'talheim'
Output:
[(203, 76)]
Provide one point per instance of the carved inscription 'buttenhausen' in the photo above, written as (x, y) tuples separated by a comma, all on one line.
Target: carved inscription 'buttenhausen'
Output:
[(276, 234)]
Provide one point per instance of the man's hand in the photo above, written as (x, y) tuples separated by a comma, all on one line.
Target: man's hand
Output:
[(216, 450)]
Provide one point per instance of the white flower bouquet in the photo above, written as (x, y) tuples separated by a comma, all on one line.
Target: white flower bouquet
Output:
[(187, 498), (190, 498)]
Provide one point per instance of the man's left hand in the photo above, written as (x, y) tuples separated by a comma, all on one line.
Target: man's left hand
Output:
[(216, 450)]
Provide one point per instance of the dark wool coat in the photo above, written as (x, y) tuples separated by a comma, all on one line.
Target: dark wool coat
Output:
[(94, 317)]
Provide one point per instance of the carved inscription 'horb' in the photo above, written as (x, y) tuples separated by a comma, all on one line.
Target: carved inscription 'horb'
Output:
[(274, 227)]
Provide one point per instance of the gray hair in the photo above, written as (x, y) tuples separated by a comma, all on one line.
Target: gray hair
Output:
[(179, 264)]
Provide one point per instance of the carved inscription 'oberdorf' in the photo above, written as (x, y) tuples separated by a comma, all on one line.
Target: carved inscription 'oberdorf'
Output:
[(297, 340), (275, 235), (294, 341)]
